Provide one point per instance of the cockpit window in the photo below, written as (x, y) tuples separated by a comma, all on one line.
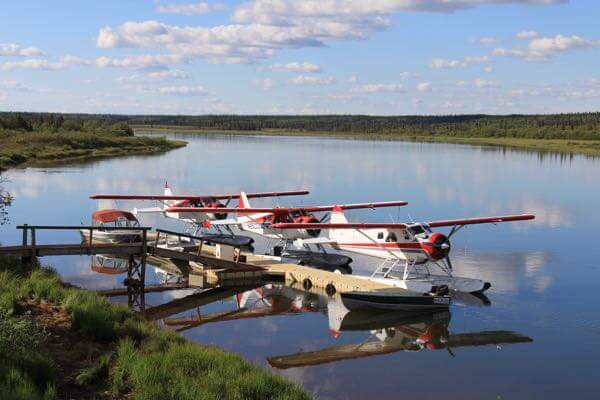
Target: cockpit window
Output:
[(391, 238), (416, 229)]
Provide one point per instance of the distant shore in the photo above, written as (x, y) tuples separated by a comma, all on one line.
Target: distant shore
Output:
[(564, 146), (33, 149)]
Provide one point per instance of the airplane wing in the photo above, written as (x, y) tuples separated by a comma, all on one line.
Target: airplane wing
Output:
[(482, 220), (433, 224), (286, 210), (195, 197)]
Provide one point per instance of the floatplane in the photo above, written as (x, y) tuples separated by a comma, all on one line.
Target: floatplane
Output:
[(264, 221), (415, 257), (213, 204)]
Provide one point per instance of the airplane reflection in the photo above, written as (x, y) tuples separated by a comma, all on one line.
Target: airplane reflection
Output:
[(387, 331)]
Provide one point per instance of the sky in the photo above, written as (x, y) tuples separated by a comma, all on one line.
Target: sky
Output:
[(380, 57)]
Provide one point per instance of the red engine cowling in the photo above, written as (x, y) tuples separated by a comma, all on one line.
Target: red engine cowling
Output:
[(437, 246), (308, 219), (217, 204)]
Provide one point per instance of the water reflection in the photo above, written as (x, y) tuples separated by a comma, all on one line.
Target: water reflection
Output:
[(382, 332)]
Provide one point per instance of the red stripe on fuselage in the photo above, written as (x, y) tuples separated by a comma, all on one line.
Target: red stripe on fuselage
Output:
[(387, 245)]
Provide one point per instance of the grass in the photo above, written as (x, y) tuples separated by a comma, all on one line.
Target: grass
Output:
[(140, 360), (563, 146), (22, 148)]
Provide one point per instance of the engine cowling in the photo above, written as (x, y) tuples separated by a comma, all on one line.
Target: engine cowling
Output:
[(437, 246), (308, 219)]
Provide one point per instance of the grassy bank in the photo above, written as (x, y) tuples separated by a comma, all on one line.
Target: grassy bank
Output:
[(587, 147), (41, 140), (62, 342)]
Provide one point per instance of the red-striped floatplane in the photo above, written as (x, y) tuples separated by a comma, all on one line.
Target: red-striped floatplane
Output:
[(415, 257)]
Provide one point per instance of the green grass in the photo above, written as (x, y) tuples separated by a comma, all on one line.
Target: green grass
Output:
[(22, 148), (147, 363), (587, 147)]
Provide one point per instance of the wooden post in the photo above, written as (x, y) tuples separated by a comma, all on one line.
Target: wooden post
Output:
[(25, 234), (33, 250), (25, 239), (143, 257)]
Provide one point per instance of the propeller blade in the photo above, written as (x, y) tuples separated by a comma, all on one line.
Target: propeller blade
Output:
[(450, 351), (449, 262)]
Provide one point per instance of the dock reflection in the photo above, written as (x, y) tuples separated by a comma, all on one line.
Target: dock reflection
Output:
[(384, 331)]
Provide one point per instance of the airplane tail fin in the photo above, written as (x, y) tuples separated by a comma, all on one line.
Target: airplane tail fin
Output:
[(337, 216), (168, 192), (243, 202)]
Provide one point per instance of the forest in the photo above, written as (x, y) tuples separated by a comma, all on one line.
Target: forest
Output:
[(584, 126)]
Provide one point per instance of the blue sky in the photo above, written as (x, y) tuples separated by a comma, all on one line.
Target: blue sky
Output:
[(289, 56)]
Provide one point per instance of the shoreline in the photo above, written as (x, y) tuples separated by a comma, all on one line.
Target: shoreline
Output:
[(60, 341), (42, 157), (589, 148)]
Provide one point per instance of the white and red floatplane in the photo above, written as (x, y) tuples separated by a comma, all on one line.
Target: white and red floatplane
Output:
[(415, 257), (422, 255)]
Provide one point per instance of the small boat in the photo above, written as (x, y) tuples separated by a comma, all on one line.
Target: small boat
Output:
[(114, 219), (394, 300)]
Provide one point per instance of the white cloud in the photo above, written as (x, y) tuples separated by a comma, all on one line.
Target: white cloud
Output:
[(161, 75), (167, 74), (306, 80), (488, 69), (380, 88), (266, 83), (12, 49), (28, 64), (353, 79), (188, 9), (13, 85), (488, 40), (304, 67), (543, 48), (408, 75), (263, 27), (527, 35), (482, 83), (141, 61), (183, 90), (441, 63), (424, 87)]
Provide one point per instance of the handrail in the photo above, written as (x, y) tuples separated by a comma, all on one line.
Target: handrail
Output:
[(70, 227)]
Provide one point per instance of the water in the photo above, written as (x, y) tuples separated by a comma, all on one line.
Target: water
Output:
[(544, 273)]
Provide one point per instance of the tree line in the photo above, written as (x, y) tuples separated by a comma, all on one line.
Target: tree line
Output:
[(542, 126)]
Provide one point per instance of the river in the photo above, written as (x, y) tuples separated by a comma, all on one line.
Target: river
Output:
[(544, 273)]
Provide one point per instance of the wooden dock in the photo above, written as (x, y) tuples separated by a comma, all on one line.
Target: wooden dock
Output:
[(207, 264)]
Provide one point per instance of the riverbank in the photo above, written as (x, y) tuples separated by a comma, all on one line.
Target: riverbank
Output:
[(26, 149), (562, 146), (57, 341)]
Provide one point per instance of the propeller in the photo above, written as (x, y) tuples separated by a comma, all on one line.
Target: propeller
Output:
[(449, 262)]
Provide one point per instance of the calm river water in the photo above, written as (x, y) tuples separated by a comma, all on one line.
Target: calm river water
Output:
[(544, 273)]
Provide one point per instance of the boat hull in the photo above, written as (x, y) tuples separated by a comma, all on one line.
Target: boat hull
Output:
[(374, 300), (112, 236)]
